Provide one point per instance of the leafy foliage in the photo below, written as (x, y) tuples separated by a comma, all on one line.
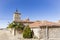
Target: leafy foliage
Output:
[(16, 25), (27, 33)]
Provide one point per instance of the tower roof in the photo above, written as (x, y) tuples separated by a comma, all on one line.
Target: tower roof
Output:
[(16, 12)]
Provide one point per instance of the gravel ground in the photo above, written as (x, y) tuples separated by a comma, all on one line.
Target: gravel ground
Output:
[(6, 35)]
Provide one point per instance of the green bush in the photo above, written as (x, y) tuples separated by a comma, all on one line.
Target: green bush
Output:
[(16, 25), (27, 33)]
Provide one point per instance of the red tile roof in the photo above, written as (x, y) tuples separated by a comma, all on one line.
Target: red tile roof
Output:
[(35, 24), (44, 23)]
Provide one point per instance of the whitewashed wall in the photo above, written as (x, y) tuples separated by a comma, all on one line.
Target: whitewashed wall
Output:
[(36, 32)]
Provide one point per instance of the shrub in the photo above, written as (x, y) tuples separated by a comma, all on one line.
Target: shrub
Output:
[(27, 33)]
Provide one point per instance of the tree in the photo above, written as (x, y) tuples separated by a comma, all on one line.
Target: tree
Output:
[(16, 26), (19, 26), (27, 33)]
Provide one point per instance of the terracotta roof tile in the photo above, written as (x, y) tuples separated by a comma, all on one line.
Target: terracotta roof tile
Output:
[(44, 23), (35, 24)]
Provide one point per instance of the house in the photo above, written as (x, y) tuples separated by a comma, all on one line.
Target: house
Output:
[(42, 29), (48, 30)]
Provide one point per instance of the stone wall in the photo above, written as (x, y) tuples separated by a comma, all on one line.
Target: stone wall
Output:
[(43, 33), (53, 33)]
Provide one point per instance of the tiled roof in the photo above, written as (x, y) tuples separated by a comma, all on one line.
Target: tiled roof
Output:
[(35, 24), (44, 23), (27, 20)]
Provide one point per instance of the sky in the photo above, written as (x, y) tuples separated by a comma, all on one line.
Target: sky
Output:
[(34, 9)]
